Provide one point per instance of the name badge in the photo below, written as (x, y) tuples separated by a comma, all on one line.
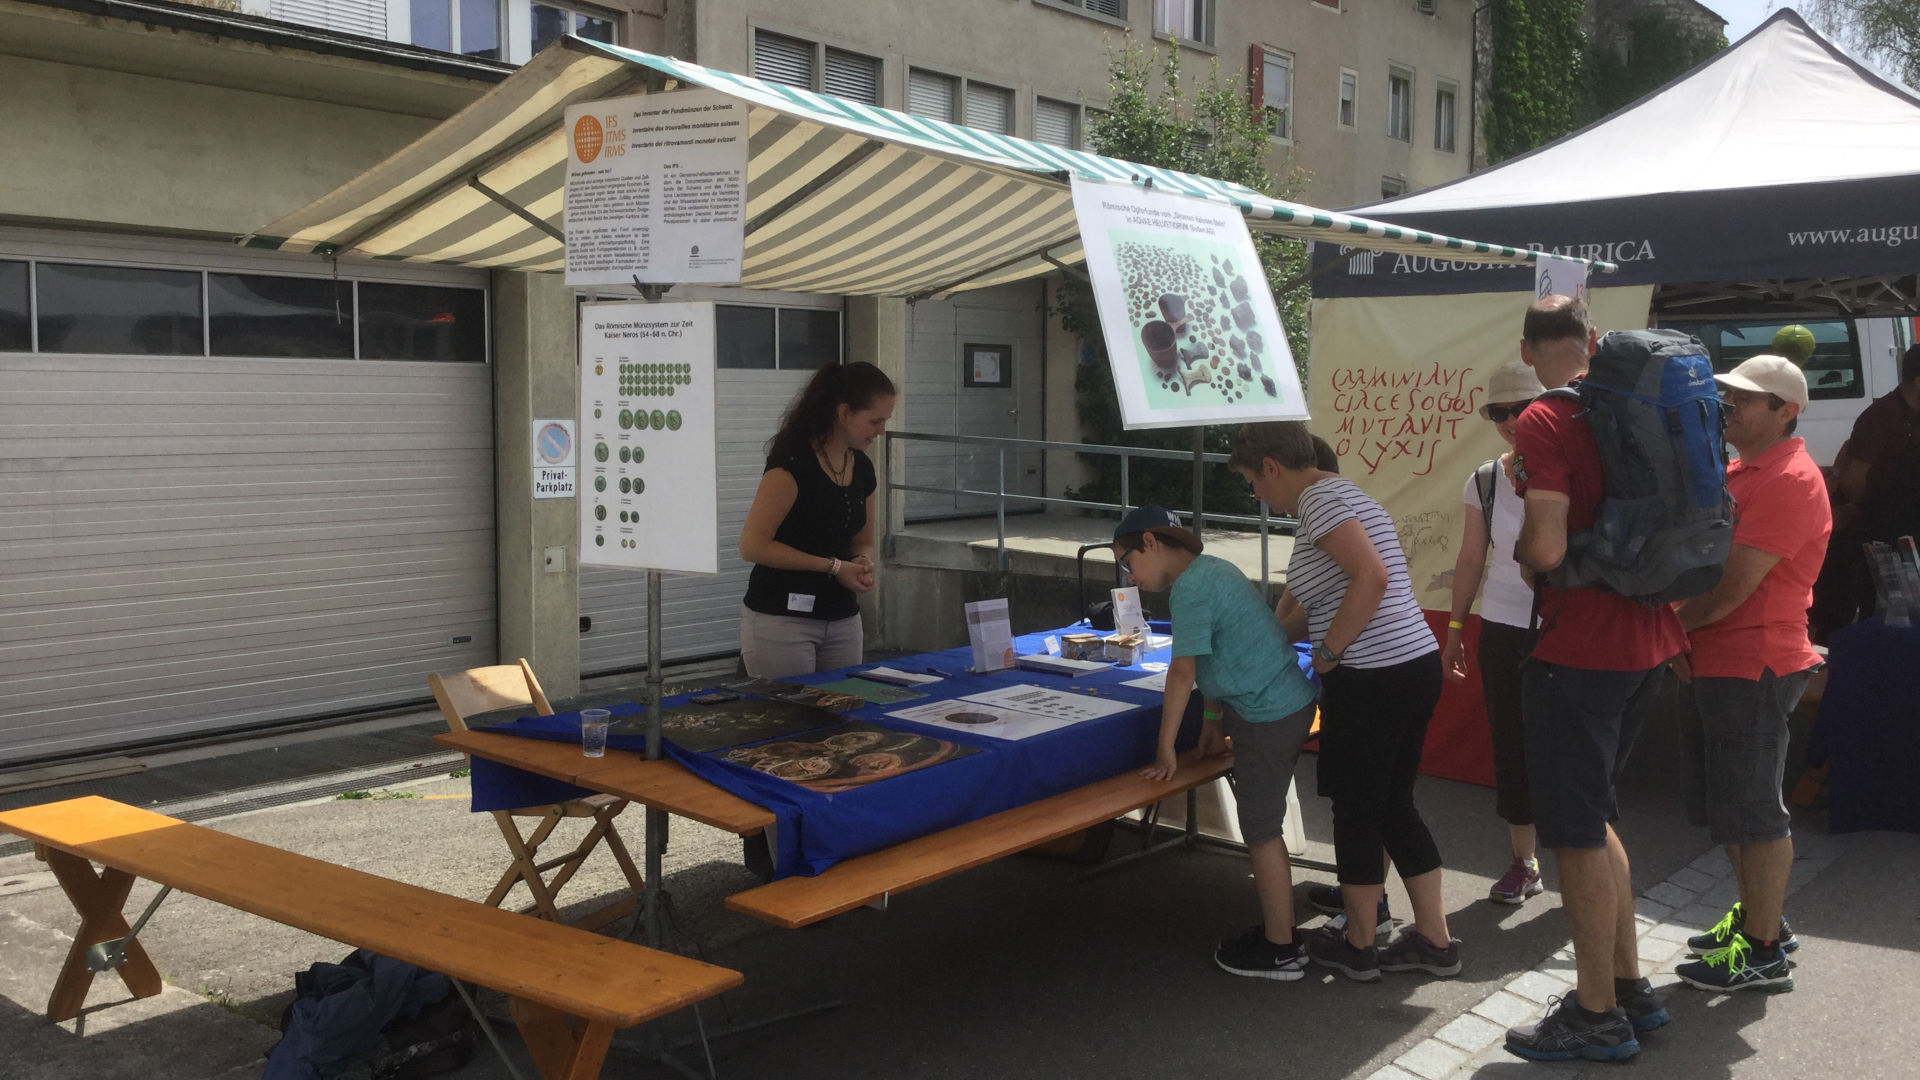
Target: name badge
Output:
[(799, 601)]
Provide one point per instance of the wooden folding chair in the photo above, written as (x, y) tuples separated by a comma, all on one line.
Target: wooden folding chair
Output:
[(504, 686)]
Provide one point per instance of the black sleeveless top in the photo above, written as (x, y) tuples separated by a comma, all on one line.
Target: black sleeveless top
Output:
[(823, 521)]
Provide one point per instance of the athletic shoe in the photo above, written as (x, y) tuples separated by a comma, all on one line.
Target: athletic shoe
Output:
[(1330, 948), (1521, 880), (1646, 1008), (1328, 900), (1723, 931), (1413, 952), (1252, 955), (1740, 966), (1567, 1033)]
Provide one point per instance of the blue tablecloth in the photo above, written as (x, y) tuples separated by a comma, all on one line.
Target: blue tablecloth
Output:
[(814, 830), (1868, 731)]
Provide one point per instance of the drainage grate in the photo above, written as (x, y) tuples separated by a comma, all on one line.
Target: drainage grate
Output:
[(198, 809)]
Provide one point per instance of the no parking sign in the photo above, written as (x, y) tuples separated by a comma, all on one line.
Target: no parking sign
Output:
[(553, 459)]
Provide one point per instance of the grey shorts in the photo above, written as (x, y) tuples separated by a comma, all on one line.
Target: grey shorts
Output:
[(1580, 725), (1263, 759), (1736, 736)]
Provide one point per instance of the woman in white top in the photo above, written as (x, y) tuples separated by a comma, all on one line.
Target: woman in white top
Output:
[(1347, 592), (1493, 515)]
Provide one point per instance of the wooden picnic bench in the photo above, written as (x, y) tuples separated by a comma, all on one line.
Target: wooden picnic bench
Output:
[(794, 902), (569, 989)]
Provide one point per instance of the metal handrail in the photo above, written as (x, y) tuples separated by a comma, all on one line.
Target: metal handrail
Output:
[(1265, 522)]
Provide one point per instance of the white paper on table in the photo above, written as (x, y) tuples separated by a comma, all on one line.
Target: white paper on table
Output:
[(1042, 701), (1127, 617), (898, 677), (1060, 665), (1156, 682), (981, 719), (990, 632)]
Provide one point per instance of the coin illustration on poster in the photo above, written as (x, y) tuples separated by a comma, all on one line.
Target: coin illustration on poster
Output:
[(649, 492)]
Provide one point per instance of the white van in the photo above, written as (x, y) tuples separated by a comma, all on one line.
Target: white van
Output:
[(1853, 362)]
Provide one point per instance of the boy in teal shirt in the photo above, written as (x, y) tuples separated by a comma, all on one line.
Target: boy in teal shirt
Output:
[(1227, 642)]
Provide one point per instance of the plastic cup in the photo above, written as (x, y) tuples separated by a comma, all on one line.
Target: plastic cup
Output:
[(593, 732)]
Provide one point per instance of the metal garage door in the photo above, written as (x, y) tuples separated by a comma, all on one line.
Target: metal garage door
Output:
[(191, 543), (940, 336), (767, 353)]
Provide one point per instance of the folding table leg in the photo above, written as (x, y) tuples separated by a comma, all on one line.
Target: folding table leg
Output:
[(98, 898), (563, 1047)]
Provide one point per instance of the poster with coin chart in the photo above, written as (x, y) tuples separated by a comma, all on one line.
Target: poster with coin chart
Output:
[(648, 459), (1190, 326)]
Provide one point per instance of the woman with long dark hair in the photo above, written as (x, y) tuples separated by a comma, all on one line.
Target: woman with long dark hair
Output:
[(809, 533)]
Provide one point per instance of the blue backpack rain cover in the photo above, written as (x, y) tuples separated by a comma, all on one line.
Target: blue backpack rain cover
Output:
[(1665, 524)]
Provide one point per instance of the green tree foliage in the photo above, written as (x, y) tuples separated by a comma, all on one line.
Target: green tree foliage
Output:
[(1884, 31), (1658, 50), (1214, 131), (1535, 80)]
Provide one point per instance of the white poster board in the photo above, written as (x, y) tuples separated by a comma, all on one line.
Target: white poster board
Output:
[(656, 189), (647, 437), (1190, 326), (1553, 275)]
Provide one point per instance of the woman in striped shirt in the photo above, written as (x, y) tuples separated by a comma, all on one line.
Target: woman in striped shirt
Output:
[(1347, 592)]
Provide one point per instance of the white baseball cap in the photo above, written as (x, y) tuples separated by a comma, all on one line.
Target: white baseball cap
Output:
[(1769, 374)]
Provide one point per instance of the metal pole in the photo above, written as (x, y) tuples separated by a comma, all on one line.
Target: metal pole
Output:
[(1199, 479), (656, 818), (1266, 574), (1125, 460), (1000, 514)]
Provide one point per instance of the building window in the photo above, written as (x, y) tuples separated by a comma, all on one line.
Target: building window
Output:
[(16, 310), (1400, 104), (1349, 90), (959, 101), (1444, 97), (118, 309), (1186, 20), (1392, 187), (269, 315), (765, 338), (1112, 9), (553, 21), (1276, 93), (1056, 123), (1331, 5), (468, 27), (812, 66)]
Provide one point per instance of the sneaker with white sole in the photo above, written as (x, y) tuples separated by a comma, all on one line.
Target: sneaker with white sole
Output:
[(1730, 924), (1646, 1008), (1411, 951), (1568, 1033), (1740, 965), (1330, 948), (1252, 955), (1329, 900), (1521, 880)]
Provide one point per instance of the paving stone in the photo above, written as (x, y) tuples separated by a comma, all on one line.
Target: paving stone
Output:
[(1390, 1072), (1671, 895), (1651, 910), (1672, 932), (1698, 917), (1722, 895), (1432, 1059), (1538, 986), (1655, 951), (1688, 878), (1713, 862), (1509, 1010), (1470, 1033)]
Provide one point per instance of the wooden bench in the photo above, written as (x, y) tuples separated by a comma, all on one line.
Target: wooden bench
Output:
[(569, 989), (799, 901)]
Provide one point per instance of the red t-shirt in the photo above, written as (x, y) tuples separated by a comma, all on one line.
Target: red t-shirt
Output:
[(1597, 629), (1781, 508)]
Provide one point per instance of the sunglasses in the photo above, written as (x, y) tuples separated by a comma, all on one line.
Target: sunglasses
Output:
[(1500, 414)]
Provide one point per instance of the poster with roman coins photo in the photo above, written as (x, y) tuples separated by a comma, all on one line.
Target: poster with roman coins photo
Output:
[(648, 458), (1190, 325), (656, 189)]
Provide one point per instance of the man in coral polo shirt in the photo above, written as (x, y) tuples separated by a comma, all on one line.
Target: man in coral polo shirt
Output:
[(1585, 692), (1749, 665)]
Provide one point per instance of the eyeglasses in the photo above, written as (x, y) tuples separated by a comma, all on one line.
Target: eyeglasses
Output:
[(1734, 399), (1500, 414), (1126, 563)]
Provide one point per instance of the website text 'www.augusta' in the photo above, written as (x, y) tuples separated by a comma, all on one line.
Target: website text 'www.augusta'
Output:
[(1890, 235)]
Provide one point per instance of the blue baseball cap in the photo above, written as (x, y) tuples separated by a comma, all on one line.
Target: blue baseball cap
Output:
[(1141, 518)]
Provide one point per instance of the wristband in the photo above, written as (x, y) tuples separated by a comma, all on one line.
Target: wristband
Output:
[(833, 569), (1456, 624), (1208, 714)]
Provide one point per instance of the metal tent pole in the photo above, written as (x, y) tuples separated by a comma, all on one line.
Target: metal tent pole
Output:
[(656, 818)]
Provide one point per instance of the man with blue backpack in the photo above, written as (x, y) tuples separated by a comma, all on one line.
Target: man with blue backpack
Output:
[(1622, 473)]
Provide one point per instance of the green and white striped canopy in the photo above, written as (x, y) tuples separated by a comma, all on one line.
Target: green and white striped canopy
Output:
[(841, 197)]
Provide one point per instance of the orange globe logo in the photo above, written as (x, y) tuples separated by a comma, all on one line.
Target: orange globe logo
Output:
[(587, 139)]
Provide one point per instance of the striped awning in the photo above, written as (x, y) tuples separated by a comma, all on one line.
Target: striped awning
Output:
[(842, 198)]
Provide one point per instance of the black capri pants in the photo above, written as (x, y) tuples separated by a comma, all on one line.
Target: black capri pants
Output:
[(1373, 726)]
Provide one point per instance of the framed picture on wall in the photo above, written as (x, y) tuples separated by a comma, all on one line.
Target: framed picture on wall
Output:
[(987, 365)]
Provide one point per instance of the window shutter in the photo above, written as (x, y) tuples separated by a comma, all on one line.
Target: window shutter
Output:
[(364, 17), (1054, 122), (1256, 75), (1115, 8), (989, 108), (931, 95), (781, 59), (852, 76)]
